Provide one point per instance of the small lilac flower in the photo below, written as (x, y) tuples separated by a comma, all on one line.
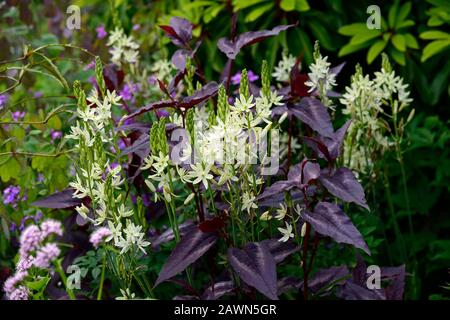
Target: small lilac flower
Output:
[(89, 66), (18, 115), (38, 94), (11, 195), (127, 92), (12, 227), (40, 177), (38, 216), (46, 255), (3, 100), (29, 240), (99, 235), (21, 293), (54, 134), (51, 226), (24, 264), (136, 27), (251, 76), (236, 79), (10, 284), (152, 80), (101, 32)]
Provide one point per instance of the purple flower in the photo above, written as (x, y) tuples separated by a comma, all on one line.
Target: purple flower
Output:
[(236, 79), (127, 92), (10, 283), (136, 27), (162, 113), (101, 32), (99, 235), (38, 94), (46, 255), (24, 264), (89, 66), (40, 177), (251, 76), (29, 240), (21, 293), (51, 226), (18, 115), (24, 220), (3, 100), (54, 134), (11, 195), (38, 216), (12, 227)]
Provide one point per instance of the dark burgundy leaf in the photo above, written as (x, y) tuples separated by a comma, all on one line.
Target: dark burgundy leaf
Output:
[(288, 283), (185, 298), (324, 277), (152, 106), (141, 146), (211, 225), (329, 220), (312, 112), (298, 79), (353, 291), (280, 250), (135, 126), (231, 48), (191, 247), (311, 171), (168, 235), (333, 145), (256, 266), (343, 184), (113, 77), (394, 291), (59, 200), (218, 290), (276, 188), (179, 31), (199, 96)]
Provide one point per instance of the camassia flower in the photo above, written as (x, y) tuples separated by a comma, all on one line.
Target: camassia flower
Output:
[(286, 232)]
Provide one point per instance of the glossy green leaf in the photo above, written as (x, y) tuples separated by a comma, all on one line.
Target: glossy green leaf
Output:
[(411, 41), (434, 48), (365, 36), (403, 13), (399, 42), (258, 12), (353, 29), (434, 34), (375, 50)]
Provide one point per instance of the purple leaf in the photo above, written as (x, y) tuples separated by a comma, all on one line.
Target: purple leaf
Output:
[(168, 235), (218, 290), (312, 112), (329, 220), (59, 200), (231, 48), (336, 70), (152, 106), (303, 173), (353, 291), (280, 250), (199, 96), (191, 247), (141, 146), (324, 277), (256, 266), (343, 184), (276, 188), (333, 144), (394, 291), (179, 31), (288, 283)]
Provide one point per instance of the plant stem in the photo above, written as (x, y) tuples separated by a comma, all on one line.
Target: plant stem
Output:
[(62, 274)]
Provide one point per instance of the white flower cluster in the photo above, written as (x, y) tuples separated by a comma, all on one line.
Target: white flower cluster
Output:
[(283, 69), (162, 69), (281, 214), (97, 179), (321, 79), (365, 100), (123, 47)]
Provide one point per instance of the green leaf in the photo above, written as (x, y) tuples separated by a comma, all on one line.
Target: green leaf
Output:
[(323, 35), (287, 5), (350, 48), (258, 12), (352, 29), (365, 36), (239, 4), (398, 56), (405, 24), (411, 41), (403, 13), (301, 5), (398, 40), (434, 34), (38, 285), (393, 14), (10, 169), (433, 48), (375, 50)]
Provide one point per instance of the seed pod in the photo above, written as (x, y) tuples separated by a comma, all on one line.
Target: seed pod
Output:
[(265, 79), (243, 85)]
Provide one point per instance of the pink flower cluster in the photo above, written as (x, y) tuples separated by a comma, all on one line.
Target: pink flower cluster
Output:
[(99, 235), (34, 252)]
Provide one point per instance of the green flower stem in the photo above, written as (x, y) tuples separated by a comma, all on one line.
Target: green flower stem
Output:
[(62, 274)]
